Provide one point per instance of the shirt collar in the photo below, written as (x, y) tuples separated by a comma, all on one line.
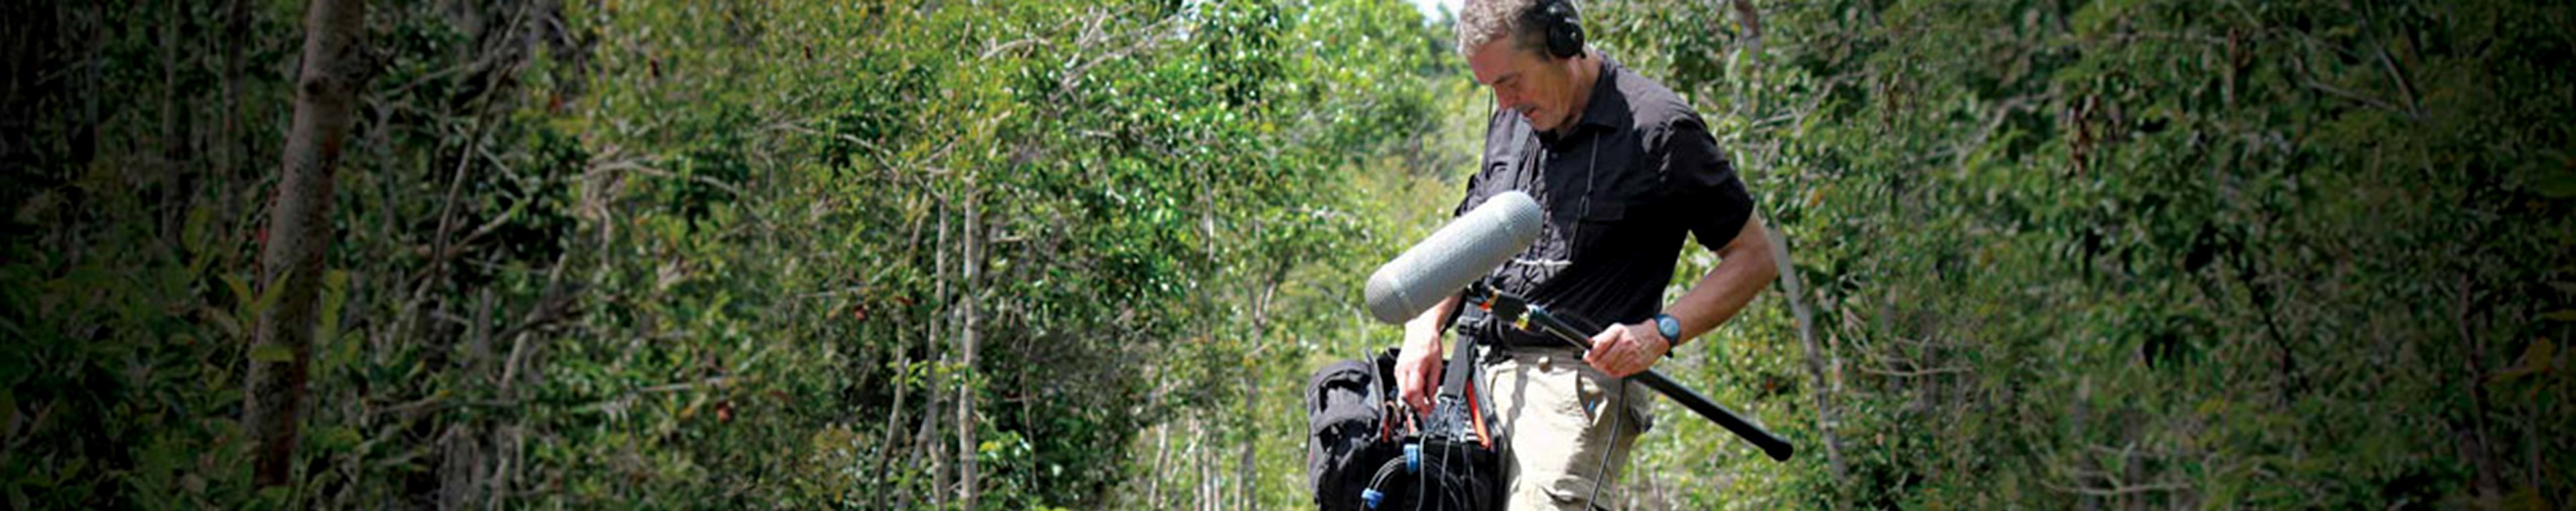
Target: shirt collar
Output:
[(1604, 106), (1605, 103)]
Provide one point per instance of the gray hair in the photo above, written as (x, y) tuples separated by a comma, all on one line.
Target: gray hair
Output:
[(1483, 21)]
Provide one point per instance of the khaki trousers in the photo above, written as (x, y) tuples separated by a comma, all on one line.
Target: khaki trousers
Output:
[(1556, 414)]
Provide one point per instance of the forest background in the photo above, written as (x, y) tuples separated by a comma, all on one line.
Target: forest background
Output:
[(943, 254)]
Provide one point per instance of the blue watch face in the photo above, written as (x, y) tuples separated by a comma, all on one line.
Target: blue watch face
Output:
[(1669, 327)]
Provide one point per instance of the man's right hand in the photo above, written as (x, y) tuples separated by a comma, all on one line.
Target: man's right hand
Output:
[(1417, 366)]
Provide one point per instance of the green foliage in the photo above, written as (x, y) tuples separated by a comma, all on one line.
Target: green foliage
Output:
[(617, 254), (2149, 254)]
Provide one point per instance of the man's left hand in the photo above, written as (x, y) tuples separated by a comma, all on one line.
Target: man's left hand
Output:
[(1624, 350)]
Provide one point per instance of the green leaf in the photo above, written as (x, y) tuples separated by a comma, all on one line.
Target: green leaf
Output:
[(339, 438), (272, 353), (231, 327), (241, 288), (2536, 358), (2565, 316), (252, 307), (335, 295), (2558, 186), (278, 496)]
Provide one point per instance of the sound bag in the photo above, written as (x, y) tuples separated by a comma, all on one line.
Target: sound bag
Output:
[(1362, 453)]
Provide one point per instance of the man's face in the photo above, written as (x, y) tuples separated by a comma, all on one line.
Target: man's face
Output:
[(1540, 88)]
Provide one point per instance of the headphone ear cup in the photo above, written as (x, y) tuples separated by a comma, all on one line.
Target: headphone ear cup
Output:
[(1573, 40), (1564, 31)]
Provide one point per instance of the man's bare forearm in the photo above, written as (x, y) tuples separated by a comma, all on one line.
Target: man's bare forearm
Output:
[(1426, 327), (1744, 266)]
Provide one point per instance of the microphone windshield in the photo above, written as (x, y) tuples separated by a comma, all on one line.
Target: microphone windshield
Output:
[(1454, 256)]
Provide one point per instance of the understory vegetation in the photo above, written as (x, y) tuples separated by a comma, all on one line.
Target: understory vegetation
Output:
[(948, 254)]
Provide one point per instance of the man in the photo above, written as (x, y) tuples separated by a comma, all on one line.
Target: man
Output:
[(1624, 169)]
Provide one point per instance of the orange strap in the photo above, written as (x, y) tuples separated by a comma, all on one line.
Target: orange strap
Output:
[(1386, 428), (1477, 416)]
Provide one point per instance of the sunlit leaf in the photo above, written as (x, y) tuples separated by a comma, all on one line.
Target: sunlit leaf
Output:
[(271, 353)]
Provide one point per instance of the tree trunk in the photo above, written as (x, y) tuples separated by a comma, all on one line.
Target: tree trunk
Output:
[(230, 150), (1815, 356), (1162, 457), (1246, 482), (174, 131), (971, 266), (1205, 496), (464, 474), (84, 143), (1752, 20), (228, 143), (929, 440), (299, 231), (894, 418), (2477, 444)]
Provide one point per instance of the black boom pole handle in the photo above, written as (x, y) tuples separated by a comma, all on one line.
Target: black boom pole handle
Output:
[(1771, 444)]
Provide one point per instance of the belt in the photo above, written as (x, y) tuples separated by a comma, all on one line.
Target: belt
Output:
[(1476, 323)]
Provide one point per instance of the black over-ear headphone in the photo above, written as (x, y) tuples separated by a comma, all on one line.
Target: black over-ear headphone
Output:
[(1564, 27)]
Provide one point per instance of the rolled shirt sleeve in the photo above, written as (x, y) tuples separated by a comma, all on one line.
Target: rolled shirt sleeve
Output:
[(1699, 183)]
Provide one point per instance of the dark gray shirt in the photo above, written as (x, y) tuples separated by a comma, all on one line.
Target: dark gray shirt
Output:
[(1620, 188)]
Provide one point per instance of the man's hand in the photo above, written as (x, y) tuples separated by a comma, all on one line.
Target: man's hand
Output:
[(1624, 350), (1417, 366), (1417, 371)]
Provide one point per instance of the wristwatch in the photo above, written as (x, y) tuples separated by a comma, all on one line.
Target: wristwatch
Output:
[(1670, 328)]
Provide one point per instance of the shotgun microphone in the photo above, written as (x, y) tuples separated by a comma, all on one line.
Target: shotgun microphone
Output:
[(1454, 256)]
